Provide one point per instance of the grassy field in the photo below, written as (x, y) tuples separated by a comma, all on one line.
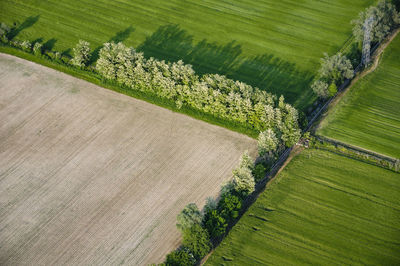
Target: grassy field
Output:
[(271, 44), (369, 114), (89, 176), (322, 209)]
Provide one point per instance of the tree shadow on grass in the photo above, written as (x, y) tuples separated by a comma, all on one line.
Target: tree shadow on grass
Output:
[(266, 71), (29, 22), (38, 40), (119, 37), (67, 53), (49, 45), (171, 43), (277, 76)]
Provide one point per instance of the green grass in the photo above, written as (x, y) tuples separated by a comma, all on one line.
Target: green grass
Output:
[(322, 209), (272, 44), (369, 115)]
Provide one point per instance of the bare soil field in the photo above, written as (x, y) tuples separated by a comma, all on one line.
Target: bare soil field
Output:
[(90, 176)]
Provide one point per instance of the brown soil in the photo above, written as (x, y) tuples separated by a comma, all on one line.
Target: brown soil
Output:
[(92, 177)]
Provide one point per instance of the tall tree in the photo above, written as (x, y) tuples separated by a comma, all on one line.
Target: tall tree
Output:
[(267, 142), (81, 54), (385, 18), (189, 216), (197, 240)]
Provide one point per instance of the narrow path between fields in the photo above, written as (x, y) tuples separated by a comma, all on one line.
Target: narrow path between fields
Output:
[(298, 148)]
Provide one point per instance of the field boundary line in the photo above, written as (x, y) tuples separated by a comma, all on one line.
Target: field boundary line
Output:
[(378, 50), (289, 153), (358, 149)]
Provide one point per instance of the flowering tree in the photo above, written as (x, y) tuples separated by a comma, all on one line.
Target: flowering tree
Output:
[(81, 54), (385, 18)]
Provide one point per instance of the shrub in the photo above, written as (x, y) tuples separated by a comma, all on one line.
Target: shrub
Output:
[(52, 55), (65, 59), (229, 207), (332, 89), (4, 39), (320, 88), (267, 142), (26, 46), (81, 54), (335, 69), (37, 48), (259, 172), (246, 161), (57, 55), (4, 30), (243, 181), (180, 257), (197, 240), (188, 217), (211, 204), (215, 224)]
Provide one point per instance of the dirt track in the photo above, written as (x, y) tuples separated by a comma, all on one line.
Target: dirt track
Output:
[(90, 176)]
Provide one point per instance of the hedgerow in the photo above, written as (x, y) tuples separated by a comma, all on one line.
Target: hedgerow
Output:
[(210, 94), (213, 94)]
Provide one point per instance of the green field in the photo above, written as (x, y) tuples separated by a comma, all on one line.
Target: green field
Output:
[(321, 209), (369, 115), (271, 44)]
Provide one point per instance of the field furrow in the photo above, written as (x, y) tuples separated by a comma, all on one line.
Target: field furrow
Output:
[(90, 176)]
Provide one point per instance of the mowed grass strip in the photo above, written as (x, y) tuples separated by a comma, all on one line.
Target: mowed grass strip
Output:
[(275, 45), (322, 209), (369, 115)]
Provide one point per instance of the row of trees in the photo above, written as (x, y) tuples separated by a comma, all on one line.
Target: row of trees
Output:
[(211, 223), (202, 228), (385, 19), (36, 48), (176, 82), (335, 69), (214, 94), (211, 93)]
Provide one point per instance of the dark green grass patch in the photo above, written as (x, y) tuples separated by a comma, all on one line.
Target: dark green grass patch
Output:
[(369, 115), (275, 45), (322, 209)]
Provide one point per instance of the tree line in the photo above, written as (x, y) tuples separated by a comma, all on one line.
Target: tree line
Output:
[(212, 94), (335, 69), (276, 120), (201, 229), (221, 97)]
